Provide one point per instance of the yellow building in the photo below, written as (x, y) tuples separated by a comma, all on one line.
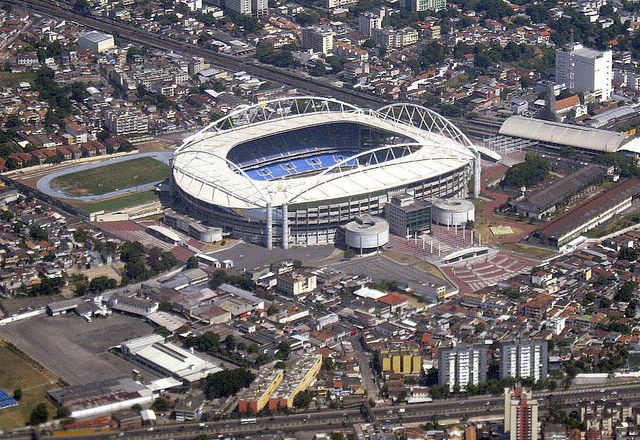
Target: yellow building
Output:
[(298, 379), (256, 397), (401, 361)]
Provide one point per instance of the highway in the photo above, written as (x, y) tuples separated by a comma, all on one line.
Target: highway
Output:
[(140, 36), (475, 406)]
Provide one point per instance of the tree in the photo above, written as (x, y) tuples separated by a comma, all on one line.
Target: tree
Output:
[(337, 436), (82, 6), (192, 263), (625, 293), (62, 412), (328, 364), (162, 331), (494, 8), (160, 404), (17, 394), (136, 407), (165, 306), (349, 254), (39, 415), (283, 350), (227, 382), (230, 343), (102, 283), (297, 264), (209, 341), (37, 233), (528, 173), (302, 399)]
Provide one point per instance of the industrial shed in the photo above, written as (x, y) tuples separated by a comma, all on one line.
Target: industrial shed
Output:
[(569, 135)]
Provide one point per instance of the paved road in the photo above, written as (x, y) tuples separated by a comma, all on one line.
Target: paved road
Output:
[(476, 406), (373, 391)]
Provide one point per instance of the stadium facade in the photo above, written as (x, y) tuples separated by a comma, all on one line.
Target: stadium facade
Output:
[(291, 171)]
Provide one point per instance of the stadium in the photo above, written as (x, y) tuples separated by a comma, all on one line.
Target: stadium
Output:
[(291, 171)]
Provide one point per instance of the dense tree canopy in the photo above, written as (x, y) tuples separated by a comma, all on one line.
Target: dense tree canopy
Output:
[(227, 382), (528, 173)]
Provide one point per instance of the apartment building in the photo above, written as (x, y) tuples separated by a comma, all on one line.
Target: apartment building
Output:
[(256, 397), (298, 378), (524, 358), (459, 367)]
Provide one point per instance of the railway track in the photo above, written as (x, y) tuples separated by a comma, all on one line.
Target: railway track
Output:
[(263, 71)]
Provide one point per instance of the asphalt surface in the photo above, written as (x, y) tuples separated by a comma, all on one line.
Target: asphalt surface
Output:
[(249, 256), (76, 350)]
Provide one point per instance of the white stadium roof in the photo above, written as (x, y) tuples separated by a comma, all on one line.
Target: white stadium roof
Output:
[(566, 134), (202, 170)]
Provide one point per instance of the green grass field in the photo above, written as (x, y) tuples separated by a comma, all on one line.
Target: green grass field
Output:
[(8, 79), (108, 178), (122, 202), (17, 370)]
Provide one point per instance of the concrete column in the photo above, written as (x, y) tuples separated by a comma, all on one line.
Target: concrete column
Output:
[(476, 176), (285, 226), (269, 226)]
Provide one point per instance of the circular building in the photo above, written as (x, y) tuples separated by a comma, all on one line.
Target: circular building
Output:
[(292, 171), (452, 212), (366, 233)]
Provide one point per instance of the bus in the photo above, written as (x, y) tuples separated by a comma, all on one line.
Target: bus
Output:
[(248, 421)]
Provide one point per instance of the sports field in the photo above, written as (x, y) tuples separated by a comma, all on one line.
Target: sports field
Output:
[(120, 202), (17, 370), (113, 177)]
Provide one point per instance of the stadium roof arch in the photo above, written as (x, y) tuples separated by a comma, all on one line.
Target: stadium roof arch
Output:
[(202, 169), (601, 141)]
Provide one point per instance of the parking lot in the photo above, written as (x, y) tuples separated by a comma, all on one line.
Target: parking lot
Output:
[(249, 256), (380, 268), (74, 349)]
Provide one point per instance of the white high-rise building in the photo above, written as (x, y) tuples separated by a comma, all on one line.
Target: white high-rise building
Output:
[(423, 5), (259, 7), (585, 70), (524, 358), (462, 366), (239, 6), (318, 39), (193, 5)]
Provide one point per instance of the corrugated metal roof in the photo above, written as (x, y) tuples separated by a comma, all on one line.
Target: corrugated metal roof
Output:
[(564, 134)]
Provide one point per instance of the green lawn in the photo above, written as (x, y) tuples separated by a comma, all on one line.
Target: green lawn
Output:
[(122, 202), (108, 178), (17, 370)]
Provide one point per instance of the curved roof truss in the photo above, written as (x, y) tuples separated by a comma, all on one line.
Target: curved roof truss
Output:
[(394, 153), (425, 119), (280, 108)]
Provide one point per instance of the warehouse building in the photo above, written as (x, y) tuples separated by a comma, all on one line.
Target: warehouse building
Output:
[(103, 397), (560, 232), (546, 201), (96, 41), (556, 135), (168, 359)]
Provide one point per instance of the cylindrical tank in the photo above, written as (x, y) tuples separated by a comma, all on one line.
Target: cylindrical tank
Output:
[(452, 212), (367, 232)]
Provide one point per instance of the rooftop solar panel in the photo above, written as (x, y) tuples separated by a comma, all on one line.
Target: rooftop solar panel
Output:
[(6, 401)]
